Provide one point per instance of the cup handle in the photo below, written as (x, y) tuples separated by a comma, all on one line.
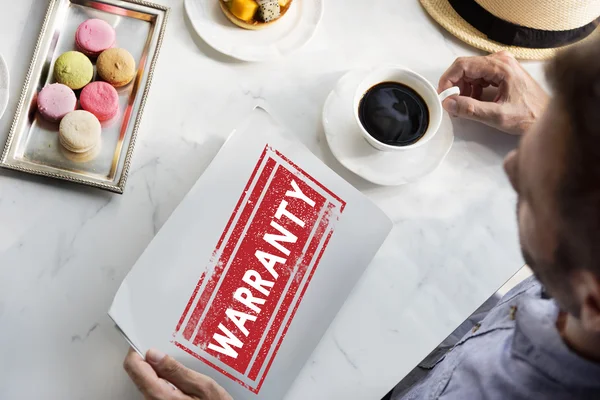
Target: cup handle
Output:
[(453, 91)]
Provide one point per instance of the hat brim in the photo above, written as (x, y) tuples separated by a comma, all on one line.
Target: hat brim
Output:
[(445, 15)]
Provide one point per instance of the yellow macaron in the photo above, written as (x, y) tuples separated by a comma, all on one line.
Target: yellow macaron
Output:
[(116, 66)]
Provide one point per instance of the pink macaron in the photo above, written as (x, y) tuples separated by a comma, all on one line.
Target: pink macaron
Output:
[(55, 101), (94, 36), (101, 99)]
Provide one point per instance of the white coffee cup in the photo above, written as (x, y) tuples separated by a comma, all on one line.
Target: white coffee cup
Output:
[(418, 83)]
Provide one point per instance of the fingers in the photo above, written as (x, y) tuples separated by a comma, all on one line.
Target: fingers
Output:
[(492, 69), (188, 381), (466, 107), (146, 379), (516, 103), (152, 377), (473, 89), (477, 91)]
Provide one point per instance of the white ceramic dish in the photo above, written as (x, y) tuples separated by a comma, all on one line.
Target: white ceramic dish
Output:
[(290, 33), (380, 167), (4, 85)]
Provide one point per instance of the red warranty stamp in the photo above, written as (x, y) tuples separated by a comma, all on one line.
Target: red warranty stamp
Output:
[(262, 265)]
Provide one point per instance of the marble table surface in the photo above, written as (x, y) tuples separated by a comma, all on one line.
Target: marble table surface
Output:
[(64, 249)]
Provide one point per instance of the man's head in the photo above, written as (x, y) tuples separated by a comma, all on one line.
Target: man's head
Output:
[(556, 173)]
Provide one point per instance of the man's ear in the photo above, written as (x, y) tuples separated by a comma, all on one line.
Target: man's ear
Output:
[(588, 292)]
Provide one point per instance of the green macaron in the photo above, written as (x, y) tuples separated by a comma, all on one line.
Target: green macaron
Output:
[(73, 69)]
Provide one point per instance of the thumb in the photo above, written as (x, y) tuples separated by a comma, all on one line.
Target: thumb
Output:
[(171, 370), (470, 108), (186, 380)]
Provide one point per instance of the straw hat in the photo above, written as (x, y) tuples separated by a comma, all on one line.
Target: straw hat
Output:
[(530, 29)]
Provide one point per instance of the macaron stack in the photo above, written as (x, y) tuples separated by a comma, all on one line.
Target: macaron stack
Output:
[(80, 130)]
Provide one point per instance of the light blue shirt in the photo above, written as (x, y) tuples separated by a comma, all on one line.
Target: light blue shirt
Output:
[(516, 352)]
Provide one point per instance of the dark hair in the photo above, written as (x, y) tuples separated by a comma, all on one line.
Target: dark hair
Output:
[(575, 77)]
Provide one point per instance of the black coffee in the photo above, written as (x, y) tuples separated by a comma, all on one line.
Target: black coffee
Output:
[(394, 114)]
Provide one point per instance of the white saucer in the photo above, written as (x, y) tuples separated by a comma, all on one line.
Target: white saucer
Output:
[(4, 85), (290, 33), (353, 152)]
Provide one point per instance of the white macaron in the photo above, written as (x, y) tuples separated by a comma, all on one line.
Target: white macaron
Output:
[(79, 131)]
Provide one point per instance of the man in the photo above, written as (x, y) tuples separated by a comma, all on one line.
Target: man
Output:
[(529, 346)]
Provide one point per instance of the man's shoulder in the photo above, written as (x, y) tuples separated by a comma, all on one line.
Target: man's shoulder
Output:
[(483, 358), (530, 287), (501, 319)]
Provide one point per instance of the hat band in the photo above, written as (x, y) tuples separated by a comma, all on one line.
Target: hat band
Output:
[(511, 34)]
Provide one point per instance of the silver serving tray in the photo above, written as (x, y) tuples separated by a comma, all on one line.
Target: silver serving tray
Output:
[(32, 145)]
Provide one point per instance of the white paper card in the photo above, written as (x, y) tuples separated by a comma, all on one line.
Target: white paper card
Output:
[(243, 280)]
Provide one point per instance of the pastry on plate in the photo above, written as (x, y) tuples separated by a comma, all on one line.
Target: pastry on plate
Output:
[(254, 14)]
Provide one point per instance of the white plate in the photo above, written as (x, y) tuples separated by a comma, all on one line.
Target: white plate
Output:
[(4, 85), (289, 33), (353, 152)]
